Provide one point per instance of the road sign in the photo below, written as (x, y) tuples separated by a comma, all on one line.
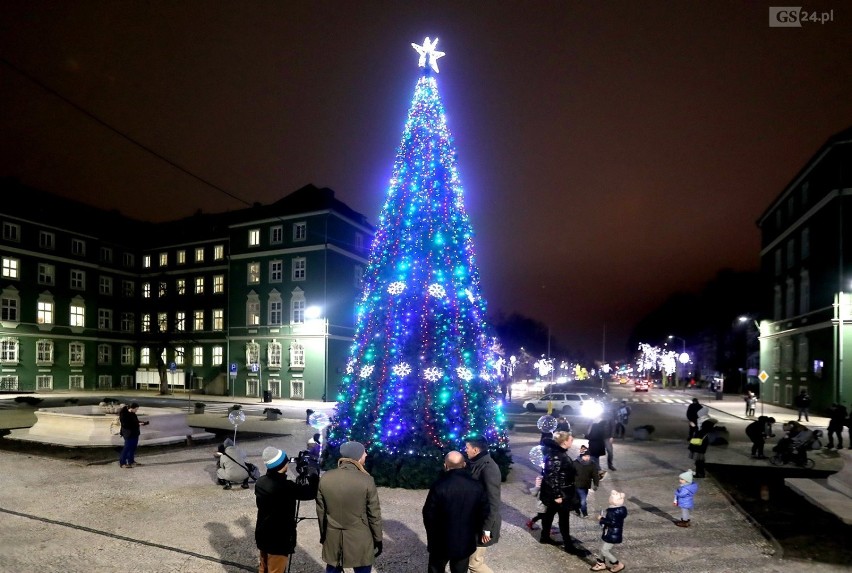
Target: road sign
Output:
[(763, 376), (172, 367), (233, 369), (254, 367)]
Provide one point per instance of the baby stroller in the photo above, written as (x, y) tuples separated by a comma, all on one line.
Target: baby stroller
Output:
[(795, 449)]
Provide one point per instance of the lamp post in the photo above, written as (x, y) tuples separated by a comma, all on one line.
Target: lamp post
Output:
[(680, 358), (745, 319)]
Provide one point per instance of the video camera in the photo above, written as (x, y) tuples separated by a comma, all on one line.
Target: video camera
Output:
[(307, 465)]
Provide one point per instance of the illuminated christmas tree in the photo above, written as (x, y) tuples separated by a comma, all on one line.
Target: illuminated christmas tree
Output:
[(421, 375)]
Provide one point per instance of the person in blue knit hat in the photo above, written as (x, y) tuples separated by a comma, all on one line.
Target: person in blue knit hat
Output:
[(276, 497)]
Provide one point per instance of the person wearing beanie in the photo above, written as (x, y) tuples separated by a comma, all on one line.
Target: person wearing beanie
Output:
[(612, 523), (349, 514), (276, 498), (684, 497)]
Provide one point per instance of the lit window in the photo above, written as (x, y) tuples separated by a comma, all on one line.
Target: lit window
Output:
[(163, 321), (78, 279), (181, 286), (199, 254), (146, 323), (44, 312), (146, 261), (218, 284), (217, 355), (78, 314), (300, 231), (146, 290), (218, 252), (180, 320), (164, 289), (181, 257), (180, 355), (104, 319), (199, 285), (11, 232), (105, 285), (276, 235), (145, 355), (76, 354), (254, 237), (252, 309), (46, 274), (164, 259), (46, 240), (253, 273), (198, 356), (199, 320), (299, 268), (127, 356), (11, 268), (218, 319)]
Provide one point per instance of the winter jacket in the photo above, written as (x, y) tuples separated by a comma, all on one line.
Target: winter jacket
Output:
[(837, 415), (684, 495), (455, 509), (484, 469), (586, 474), (349, 516), (599, 433), (613, 524), (558, 479), (129, 423), (229, 465), (692, 411), (275, 496), (757, 430)]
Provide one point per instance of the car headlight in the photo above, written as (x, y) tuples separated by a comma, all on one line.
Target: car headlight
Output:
[(591, 409)]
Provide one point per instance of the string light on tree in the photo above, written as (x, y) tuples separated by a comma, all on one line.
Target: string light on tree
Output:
[(420, 322)]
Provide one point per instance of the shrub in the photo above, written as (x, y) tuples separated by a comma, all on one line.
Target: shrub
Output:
[(236, 407), (272, 411), (28, 400)]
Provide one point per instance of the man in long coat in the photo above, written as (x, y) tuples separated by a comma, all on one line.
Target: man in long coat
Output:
[(350, 519), (453, 515), (484, 469)]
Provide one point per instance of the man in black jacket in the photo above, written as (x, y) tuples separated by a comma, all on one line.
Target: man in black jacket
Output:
[(453, 515), (558, 492), (276, 496), (692, 417)]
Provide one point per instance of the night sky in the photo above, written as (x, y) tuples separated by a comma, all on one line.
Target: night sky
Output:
[(612, 153)]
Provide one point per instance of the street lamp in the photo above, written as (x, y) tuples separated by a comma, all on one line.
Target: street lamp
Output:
[(314, 316), (745, 319)]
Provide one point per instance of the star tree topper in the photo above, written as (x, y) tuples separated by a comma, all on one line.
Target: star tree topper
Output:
[(428, 54)]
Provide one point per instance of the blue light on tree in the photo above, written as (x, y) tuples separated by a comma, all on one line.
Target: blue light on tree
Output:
[(421, 374)]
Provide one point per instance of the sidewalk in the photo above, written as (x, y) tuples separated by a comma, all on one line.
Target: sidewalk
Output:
[(169, 515)]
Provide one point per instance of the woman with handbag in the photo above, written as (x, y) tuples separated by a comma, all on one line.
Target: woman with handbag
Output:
[(698, 446)]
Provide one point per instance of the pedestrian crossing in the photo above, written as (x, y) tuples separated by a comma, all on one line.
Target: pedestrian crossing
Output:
[(653, 399)]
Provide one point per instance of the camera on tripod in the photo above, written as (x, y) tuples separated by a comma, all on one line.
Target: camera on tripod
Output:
[(307, 465)]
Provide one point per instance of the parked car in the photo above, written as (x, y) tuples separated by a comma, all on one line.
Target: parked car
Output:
[(579, 388), (565, 403), (641, 386)]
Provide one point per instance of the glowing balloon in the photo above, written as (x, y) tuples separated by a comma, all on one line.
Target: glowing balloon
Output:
[(537, 456), (546, 424), (237, 417), (319, 420)]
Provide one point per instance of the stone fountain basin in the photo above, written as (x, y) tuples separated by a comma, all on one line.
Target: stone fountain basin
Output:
[(89, 426)]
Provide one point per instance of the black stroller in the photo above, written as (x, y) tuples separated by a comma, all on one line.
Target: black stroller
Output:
[(794, 449)]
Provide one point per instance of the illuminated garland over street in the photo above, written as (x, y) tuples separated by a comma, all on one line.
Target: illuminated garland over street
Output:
[(421, 375)]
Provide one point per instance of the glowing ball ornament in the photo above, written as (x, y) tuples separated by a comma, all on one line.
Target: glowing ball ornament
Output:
[(547, 424)]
